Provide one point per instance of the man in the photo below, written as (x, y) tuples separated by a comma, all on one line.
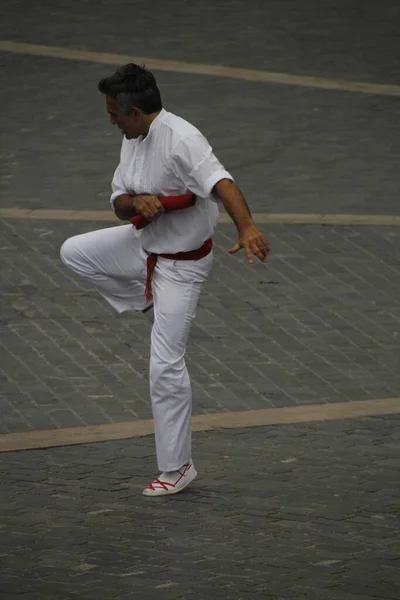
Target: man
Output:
[(169, 259)]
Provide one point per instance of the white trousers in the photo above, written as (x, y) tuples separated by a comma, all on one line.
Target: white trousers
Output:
[(115, 263)]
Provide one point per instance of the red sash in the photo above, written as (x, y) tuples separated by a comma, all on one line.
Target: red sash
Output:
[(170, 203), (201, 252)]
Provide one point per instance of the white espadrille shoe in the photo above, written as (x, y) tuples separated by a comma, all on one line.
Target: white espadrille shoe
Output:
[(171, 482)]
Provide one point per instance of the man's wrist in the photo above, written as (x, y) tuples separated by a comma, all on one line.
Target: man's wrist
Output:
[(245, 224)]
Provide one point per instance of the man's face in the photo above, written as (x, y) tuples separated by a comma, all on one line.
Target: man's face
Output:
[(130, 125)]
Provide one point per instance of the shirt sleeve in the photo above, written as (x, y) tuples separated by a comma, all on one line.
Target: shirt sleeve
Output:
[(194, 163), (117, 185)]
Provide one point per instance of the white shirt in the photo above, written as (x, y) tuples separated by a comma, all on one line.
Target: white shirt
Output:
[(172, 159)]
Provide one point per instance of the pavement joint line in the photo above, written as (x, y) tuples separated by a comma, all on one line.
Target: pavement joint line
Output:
[(202, 69), (71, 436), (263, 218)]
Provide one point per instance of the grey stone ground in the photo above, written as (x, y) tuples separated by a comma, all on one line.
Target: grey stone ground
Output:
[(333, 38), (321, 324), (302, 511), (291, 149)]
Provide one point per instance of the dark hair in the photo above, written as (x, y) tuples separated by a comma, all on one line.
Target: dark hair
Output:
[(131, 86)]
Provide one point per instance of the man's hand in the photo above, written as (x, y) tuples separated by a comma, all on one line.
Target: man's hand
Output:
[(253, 242), (147, 206), (250, 238)]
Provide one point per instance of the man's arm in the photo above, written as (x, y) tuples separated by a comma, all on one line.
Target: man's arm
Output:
[(250, 238), (195, 164), (123, 207), (127, 206)]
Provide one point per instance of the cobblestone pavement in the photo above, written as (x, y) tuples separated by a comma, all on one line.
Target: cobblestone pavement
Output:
[(301, 511), (321, 324), (290, 149), (334, 38)]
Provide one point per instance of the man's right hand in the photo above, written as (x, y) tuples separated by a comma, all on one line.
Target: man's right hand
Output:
[(147, 206)]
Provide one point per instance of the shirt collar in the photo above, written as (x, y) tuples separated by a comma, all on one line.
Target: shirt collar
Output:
[(159, 119)]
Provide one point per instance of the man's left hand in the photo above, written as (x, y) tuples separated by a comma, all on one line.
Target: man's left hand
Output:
[(253, 243)]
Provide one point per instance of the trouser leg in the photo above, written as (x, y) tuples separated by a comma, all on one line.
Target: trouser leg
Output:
[(113, 261), (176, 289)]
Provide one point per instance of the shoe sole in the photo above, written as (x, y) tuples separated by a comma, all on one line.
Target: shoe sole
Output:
[(169, 492)]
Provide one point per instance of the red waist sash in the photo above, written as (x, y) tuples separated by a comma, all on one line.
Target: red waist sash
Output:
[(197, 254)]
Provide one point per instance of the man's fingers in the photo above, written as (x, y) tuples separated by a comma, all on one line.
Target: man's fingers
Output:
[(263, 247), (159, 206), (151, 208), (263, 250), (262, 243), (248, 252), (235, 248), (155, 207), (260, 253), (257, 246)]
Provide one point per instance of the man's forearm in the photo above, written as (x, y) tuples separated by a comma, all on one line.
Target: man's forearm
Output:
[(234, 203), (123, 207)]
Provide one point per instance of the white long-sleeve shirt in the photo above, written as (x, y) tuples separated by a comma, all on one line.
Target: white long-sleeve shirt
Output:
[(172, 159)]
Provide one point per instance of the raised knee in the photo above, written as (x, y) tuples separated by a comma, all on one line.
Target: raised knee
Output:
[(69, 251)]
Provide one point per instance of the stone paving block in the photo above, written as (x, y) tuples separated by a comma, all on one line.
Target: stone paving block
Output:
[(323, 526)]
